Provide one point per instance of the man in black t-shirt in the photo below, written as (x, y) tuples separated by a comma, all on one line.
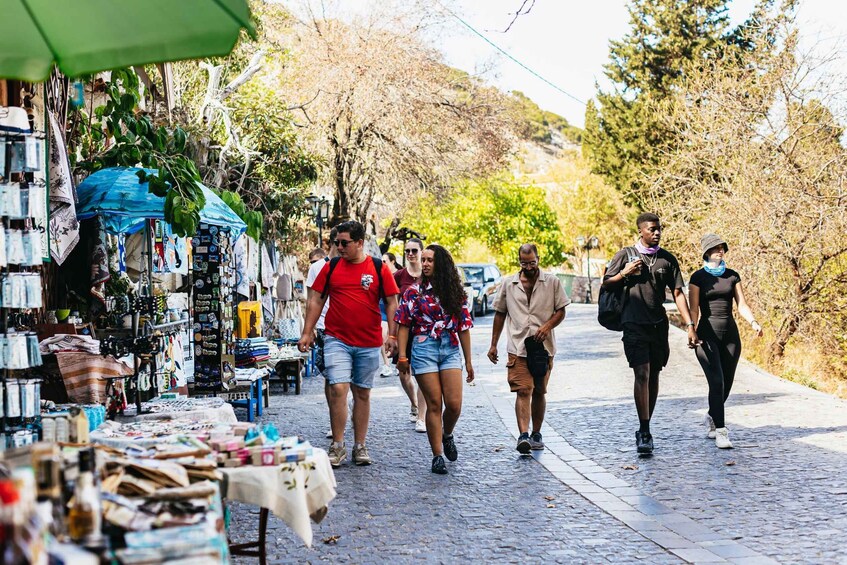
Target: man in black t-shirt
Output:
[(647, 270)]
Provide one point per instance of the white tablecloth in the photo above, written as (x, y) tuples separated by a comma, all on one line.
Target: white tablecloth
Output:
[(295, 492)]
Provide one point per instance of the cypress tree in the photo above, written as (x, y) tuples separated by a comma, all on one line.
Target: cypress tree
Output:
[(622, 132)]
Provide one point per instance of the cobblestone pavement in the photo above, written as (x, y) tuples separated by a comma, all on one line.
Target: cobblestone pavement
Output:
[(492, 506), (783, 497), (781, 492)]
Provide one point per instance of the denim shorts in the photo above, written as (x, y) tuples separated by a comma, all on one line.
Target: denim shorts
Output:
[(347, 363), (430, 355)]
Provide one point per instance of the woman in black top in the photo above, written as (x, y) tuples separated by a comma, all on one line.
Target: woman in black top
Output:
[(711, 291)]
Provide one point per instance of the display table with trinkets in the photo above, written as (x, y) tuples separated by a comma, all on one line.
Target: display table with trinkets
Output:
[(282, 475)]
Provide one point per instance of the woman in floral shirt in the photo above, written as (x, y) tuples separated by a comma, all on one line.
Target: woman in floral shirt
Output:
[(434, 315)]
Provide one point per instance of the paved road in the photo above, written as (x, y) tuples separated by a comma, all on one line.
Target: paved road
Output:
[(588, 498)]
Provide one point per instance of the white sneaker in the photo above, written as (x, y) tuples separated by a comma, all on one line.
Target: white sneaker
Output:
[(385, 371), (420, 427), (722, 439), (711, 425), (413, 414)]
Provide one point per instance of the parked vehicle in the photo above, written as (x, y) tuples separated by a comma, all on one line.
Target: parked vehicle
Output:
[(468, 291), (484, 279)]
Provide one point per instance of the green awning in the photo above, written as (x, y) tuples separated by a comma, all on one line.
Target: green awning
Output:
[(86, 36)]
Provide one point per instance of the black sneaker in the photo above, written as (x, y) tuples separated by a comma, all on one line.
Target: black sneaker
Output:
[(523, 444), (438, 465), (535, 442), (450, 451), (643, 442)]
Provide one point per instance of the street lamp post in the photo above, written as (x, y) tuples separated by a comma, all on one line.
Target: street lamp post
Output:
[(588, 244), (320, 210)]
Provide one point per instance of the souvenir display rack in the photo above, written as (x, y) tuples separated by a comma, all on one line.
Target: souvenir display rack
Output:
[(146, 341), (23, 207), (212, 299)]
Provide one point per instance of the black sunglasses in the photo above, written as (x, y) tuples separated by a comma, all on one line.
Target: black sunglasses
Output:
[(342, 242), (411, 251)]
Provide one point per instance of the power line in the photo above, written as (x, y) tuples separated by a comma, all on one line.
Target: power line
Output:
[(509, 55)]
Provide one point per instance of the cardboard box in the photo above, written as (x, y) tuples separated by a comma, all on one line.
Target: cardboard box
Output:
[(266, 456), (231, 443)]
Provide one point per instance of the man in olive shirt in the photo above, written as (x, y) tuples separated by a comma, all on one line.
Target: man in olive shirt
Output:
[(647, 270), (532, 303)]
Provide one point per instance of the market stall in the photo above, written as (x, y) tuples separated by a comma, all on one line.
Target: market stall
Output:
[(125, 207)]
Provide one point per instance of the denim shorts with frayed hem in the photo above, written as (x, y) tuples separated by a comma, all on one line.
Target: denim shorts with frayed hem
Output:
[(350, 364), (431, 355)]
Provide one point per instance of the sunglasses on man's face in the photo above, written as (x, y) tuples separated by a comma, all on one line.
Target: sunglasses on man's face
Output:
[(411, 252), (342, 242)]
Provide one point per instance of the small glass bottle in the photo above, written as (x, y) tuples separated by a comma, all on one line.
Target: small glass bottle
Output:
[(48, 481), (84, 517)]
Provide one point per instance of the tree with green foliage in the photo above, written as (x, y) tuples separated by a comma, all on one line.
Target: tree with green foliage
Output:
[(586, 205), (623, 134), (116, 134), (486, 220)]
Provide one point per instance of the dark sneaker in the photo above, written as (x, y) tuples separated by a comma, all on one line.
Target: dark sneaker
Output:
[(450, 451), (535, 442), (643, 442), (438, 465), (524, 446)]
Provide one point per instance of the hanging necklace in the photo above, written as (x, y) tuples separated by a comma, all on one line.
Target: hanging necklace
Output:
[(648, 262)]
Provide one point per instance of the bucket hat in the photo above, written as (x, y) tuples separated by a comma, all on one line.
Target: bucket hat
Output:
[(711, 240)]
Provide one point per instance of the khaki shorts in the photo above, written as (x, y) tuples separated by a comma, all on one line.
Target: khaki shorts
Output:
[(520, 377)]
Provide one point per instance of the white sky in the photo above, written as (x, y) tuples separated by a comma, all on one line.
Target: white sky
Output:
[(567, 42)]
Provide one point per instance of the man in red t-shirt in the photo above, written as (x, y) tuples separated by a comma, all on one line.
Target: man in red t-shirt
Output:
[(353, 335)]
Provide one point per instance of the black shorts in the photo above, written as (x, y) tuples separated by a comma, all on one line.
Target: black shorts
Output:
[(646, 343)]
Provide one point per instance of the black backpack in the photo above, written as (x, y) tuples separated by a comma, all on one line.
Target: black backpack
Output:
[(610, 305), (334, 263)]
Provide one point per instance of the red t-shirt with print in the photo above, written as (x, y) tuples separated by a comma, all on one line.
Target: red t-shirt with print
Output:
[(353, 315)]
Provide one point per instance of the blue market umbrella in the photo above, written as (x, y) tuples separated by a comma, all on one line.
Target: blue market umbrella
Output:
[(124, 203)]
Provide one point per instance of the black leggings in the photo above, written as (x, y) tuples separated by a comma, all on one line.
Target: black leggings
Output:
[(719, 358)]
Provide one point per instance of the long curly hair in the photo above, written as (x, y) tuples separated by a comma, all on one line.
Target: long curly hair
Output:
[(446, 282)]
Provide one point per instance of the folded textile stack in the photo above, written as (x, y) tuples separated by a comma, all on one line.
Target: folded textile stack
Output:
[(248, 375), (65, 342), (252, 351)]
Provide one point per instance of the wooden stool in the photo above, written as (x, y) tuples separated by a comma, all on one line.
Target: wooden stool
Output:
[(290, 372), (254, 548)]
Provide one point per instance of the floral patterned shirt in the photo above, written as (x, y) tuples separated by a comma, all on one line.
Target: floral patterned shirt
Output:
[(421, 310)]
